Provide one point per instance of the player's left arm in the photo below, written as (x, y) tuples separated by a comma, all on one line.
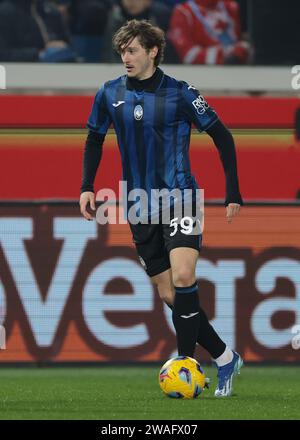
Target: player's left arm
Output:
[(197, 110), (224, 142)]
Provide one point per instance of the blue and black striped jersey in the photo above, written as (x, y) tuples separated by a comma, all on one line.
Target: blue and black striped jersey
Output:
[(153, 128)]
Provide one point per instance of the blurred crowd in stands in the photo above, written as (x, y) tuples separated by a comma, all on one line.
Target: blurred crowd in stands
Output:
[(197, 31)]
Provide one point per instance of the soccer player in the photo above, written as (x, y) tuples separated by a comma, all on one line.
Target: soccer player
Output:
[(152, 115)]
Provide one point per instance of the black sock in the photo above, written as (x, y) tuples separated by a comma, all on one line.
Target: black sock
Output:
[(207, 336), (186, 319)]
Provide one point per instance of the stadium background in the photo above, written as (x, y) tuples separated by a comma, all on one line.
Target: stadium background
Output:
[(73, 291)]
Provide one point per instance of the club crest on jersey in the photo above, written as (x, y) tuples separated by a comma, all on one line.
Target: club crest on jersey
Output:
[(200, 105), (138, 112)]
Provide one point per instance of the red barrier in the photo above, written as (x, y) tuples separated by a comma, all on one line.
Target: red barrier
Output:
[(72, 111), (36, 166)]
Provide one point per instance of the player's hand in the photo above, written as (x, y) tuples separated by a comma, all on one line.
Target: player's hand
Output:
[(86, 198), (232, 210)]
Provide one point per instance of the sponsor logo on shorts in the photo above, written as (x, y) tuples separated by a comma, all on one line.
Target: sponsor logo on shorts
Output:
[(142, 261)]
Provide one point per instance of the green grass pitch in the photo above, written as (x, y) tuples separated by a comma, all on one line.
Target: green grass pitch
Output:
[(107, 393)]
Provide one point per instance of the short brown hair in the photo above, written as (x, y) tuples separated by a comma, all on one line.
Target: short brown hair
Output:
[(148, 35)]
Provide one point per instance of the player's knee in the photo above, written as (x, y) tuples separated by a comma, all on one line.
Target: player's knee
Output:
[(183, 277), (165, 290), (166, 295)]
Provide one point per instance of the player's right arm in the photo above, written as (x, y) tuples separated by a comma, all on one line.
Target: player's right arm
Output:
[(91, 160), (98, 124), (87, 198)]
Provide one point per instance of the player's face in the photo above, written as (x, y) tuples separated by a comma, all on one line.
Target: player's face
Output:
[(137, 61)]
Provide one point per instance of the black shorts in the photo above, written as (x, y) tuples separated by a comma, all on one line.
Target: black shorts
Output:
[(154, 243)]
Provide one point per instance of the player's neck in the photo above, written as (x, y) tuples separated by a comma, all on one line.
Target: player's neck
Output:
[(149, 84), (147, 75)]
